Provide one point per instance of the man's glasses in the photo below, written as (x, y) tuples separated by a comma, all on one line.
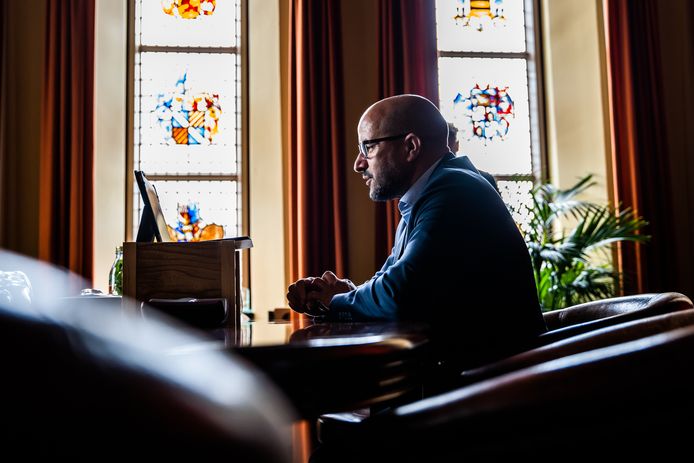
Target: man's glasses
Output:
[(365, 145)]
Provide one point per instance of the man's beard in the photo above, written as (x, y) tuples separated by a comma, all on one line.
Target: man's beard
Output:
[(391, 183)]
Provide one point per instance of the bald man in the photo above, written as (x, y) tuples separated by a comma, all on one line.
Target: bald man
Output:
[(459, 262)]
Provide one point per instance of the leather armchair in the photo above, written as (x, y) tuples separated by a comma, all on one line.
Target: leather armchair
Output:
[(572, 330), (630, 400), (603, 337), (590, 316)]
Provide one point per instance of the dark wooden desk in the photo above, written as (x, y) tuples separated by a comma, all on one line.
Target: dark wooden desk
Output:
[(334, 367), (325, 367)]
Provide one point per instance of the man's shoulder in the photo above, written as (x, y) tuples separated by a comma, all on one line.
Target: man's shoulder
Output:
[(459, 184), (458, 162), (457, 172), (462, 166)]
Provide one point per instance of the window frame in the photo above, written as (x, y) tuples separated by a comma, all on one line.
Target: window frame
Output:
[(534, 75), (242, 174)]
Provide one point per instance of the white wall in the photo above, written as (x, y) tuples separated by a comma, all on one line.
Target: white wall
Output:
[(267, 215), (576, 94), (110, 137)]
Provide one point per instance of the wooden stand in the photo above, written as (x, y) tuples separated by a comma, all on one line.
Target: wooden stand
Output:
[(205, 269)]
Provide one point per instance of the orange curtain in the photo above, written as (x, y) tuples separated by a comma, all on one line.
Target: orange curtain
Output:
[(640, 158), (317, 229), (4, 193), (315, 172), (407, 64), (67, 143)]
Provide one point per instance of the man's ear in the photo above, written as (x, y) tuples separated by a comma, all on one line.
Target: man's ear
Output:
[(413, 145)]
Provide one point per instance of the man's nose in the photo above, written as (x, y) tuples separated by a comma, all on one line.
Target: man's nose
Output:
[(360, 164)]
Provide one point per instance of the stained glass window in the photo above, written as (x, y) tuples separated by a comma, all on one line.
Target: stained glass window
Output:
[(209, 199), (486, 63), (481, 26), (190, 225), (187, 124), (518, 199), (487, 100), (188, 9), (179, 99), (158, 28)]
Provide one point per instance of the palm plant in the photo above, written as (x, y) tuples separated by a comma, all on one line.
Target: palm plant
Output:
[(569, 265)]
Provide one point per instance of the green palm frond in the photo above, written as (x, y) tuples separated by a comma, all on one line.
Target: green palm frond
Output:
[(564, 273), (550, 202), (603, 226), (592, 283)]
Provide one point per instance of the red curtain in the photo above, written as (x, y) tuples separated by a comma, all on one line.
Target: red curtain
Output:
[(641, 168), (317, 229), (4, 193), (315, 171), (407, 64), (67, 144)]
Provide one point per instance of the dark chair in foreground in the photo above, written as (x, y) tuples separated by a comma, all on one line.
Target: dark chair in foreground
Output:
[(590, 316), (627, 401), (89, 383)]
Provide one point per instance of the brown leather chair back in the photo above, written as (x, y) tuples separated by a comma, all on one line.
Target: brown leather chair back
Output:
[(590, 316), (626, 401), (602, 337)]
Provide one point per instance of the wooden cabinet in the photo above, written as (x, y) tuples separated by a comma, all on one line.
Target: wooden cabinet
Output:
[(205, 269)]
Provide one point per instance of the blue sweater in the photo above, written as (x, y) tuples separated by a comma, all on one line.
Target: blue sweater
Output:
[(464, 269)]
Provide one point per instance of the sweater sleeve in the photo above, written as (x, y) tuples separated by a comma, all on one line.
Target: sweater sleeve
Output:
[(393, 291)]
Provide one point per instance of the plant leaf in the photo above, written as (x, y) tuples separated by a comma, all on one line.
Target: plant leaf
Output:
[(564, 274)]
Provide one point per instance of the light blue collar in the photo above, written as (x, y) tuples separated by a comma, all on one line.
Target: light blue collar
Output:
[(413, 194)]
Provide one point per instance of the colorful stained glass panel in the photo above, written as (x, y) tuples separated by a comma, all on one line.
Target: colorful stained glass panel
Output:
[(204, 30), (480, 26), (191, 225), (189, 9), (188, 116), (490, 110), (182, 108), (215, 202), (487, 100)]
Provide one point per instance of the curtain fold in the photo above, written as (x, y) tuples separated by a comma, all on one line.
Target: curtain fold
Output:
[(315, 174), (407, 64), (641, 170), (315, 178), (4, 193), (66, 163)]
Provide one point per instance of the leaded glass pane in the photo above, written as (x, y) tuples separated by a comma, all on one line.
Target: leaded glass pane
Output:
[(518, 200), (480, 26), (487, 100), (189, 9), (215, 202), (188, 113), (174, 23)]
